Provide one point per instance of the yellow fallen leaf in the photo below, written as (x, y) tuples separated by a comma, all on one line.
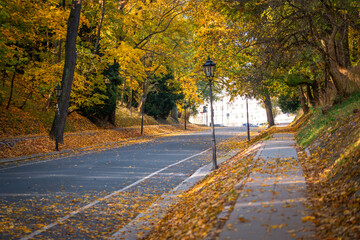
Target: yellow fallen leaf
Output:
[(279, 226), (307, 218), (243, 220)]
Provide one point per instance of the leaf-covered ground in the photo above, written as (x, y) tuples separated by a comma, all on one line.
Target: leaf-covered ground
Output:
[(333, 169), (89, 140)]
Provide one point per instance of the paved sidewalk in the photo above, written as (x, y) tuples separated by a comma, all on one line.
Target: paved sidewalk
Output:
[(271, 203)]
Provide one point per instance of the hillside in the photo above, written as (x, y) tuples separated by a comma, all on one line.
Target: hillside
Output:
[(34, 119), (332, 168), (24, 132)]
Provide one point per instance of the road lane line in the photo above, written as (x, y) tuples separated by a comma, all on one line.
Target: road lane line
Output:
[(61, 220)]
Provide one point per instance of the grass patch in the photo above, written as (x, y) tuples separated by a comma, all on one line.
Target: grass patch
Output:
[(329, 122)]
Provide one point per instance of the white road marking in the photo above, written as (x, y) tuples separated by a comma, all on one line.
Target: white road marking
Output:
[(61, 220)]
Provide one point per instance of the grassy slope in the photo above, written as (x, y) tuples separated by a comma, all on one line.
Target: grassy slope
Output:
[(332, 170)]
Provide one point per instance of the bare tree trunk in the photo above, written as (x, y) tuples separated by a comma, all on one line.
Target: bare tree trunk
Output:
[(174, 114), (60, 40), (145, 90), (96, 50), (268, 108), (131, 98), (315, 90), (342, 82), (309, 94), (11, 90), (304, 105), (26, 99), (69, 68), (123, 92)]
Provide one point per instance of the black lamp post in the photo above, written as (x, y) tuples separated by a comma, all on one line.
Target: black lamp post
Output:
[(58, 91), (209, 69), (185, 106), (142, 113), (247, 120)]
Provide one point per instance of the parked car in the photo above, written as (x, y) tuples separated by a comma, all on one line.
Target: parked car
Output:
[(250, 125)]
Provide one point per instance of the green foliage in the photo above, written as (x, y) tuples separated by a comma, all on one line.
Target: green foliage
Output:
[(96, 95), (289, 104), (162, 97)]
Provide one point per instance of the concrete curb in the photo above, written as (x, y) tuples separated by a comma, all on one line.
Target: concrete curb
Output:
[(142, 225)]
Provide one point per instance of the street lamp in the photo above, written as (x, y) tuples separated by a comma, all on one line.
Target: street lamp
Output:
[(247, 120), (142, 113), (185, 106), (209, 69), (58, 91)]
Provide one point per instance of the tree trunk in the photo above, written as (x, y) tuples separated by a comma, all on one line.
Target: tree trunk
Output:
[(123, 92), (268, 108), (174, 114), (96, 50), (310, 96), (342, 82), (69, 68), (62, 4), (342, 47), (26, 99), (316, 93), (145, 91), (304, 105), (11, 90), (111, 117)]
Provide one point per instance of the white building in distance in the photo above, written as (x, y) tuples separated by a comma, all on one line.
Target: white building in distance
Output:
[(233, 113)]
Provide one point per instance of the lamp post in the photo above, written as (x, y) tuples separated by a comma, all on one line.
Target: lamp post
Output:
[(247, 119), (58, 91), (142, 113), (185, 106), (209, 69)]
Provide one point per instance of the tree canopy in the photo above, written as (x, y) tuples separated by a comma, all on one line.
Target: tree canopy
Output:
[(126, 49)]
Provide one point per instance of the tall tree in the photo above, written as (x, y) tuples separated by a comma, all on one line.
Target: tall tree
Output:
[(69, 69)]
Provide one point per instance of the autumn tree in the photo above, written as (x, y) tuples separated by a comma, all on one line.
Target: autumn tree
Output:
[(69, 69)]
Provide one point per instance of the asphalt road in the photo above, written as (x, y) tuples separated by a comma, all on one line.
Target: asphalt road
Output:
[(93, 195)]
